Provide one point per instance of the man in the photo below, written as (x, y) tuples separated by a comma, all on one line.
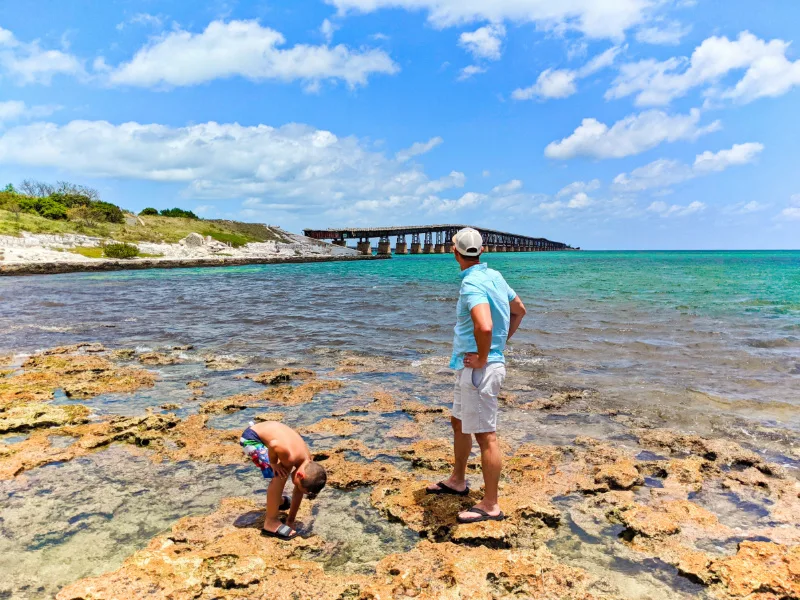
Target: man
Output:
[(488, 314), (280, 452)]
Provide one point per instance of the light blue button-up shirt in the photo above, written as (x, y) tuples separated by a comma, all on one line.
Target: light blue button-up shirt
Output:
[(481, 285)]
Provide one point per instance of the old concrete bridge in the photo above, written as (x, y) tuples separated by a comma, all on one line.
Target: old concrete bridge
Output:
[(422, 239)]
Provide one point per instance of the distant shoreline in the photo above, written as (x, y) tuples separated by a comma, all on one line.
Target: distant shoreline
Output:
[(56, 268)]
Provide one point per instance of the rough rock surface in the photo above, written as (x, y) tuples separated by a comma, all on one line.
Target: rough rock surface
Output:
[(158, 359), (284, 375), (33, 415), (337, 427), (80, 376), (223, 555)]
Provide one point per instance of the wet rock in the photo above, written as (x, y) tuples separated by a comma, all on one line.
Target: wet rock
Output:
[(37, 450), (451, 572), (5, 372), (346, 474), (337, 427), (436, 455), (183, 348), (6, 359), (170, 406), (301, 394), (620, 475), (222, 555), (759, 570), (268, 416), (230, 404), (196, 384), (382, 402), (719, 451), (556, 401), (406, 431), (90, 347), (78, 375), (284, 375), (158, 359), (418, 408), (193, 440), (34, 415), (662, 519), (123, 354), (223, 363)]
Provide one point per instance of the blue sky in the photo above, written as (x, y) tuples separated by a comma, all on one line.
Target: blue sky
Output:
[(626, 124)]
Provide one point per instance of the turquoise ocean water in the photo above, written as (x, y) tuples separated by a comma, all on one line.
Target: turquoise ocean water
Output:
[(725, 325)]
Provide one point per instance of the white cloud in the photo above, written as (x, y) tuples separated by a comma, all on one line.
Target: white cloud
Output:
[(791, 212), (676, 210), (593, 18), (470, 71), (632, 135), (486, 173), (551, 83), (468, 200), (485, 42), (745, 208), (15, 110), (561, 83), (145, 19), (454, 179), (327, 29), (767, 72), (669, 34), (664, 173), (245, 49), (580, 200), (294, 166), (27, 63), (579, 186), (418, 148), (739, 154), (507, 188)]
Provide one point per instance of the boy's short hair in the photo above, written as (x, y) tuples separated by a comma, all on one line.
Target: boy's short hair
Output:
[(315, 478)]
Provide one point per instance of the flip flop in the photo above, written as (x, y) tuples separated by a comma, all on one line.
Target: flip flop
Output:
[(484, 516), (286, 503), (446, 489), (282, 533)]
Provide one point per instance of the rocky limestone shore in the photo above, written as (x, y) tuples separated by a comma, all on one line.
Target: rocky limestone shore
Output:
[(648, 502), (51, 253)]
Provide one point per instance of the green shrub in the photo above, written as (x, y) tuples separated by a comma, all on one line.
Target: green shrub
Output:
[(149, 212), (121, 251), (44, 207), (110, 213), (178, 212)]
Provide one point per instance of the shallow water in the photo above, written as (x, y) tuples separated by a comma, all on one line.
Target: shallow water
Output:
[(702, 342)]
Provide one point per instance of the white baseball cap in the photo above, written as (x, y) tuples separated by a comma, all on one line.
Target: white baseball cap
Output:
[(468, 242)]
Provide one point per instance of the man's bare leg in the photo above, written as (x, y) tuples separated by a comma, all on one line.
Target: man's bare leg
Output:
[(462, 446), (491, 463), (274, 499)]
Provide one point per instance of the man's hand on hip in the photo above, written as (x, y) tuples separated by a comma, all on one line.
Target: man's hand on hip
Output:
[(473, 361)]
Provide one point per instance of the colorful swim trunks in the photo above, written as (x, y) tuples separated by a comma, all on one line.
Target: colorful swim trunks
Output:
[(257, 451)]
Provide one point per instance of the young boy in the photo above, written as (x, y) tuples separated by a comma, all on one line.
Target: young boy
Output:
[(279, 451)]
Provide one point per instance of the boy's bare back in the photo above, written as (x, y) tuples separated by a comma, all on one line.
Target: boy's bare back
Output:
[(284, 440)]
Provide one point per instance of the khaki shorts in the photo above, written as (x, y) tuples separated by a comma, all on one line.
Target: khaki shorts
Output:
[(475, 397)]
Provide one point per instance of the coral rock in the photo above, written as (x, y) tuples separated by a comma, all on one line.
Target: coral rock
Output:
[(33, 415), (281, 376), (158, 359)]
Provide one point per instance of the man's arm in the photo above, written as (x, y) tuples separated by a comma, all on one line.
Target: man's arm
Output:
[(482, 329), (517, 314)]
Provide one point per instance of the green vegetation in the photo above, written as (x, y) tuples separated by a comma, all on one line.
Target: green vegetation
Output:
[(178, 212), (63, 208), (120, 251), (89, 251)]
